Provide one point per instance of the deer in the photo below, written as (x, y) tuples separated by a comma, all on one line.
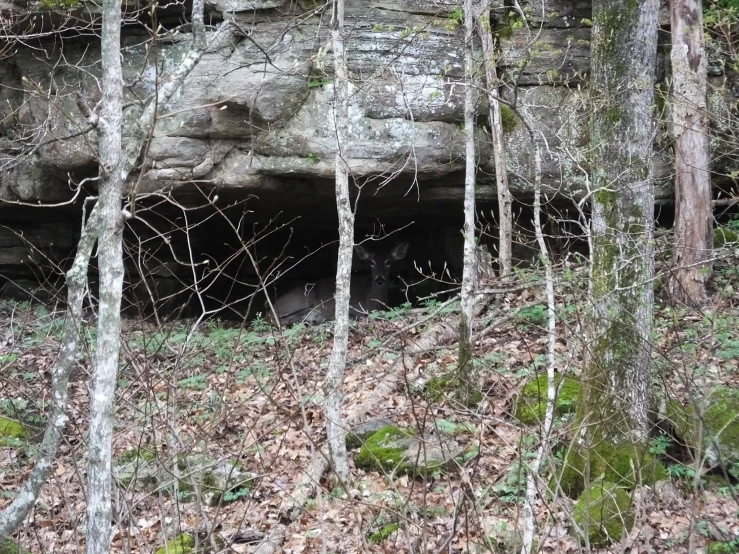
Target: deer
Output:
[(314, 302)]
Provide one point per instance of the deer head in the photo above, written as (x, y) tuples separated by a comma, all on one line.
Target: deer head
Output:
[(373, 294)]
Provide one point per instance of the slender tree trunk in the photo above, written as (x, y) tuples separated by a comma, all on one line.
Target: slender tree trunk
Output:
[(467, 381), (616, 380), (12, 517), (110, 266), (505, 200), (334, 428), (693, 210), (114, 168), (532, 478)]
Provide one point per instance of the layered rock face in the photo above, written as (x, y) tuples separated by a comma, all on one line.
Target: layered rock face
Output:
[(256, 114), (255, 118)]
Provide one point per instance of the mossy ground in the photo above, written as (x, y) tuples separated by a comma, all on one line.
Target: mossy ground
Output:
[(716, 547), (9, 546), (142, 454), (383, 533), (181, 544), (10, 429), (450, 384)]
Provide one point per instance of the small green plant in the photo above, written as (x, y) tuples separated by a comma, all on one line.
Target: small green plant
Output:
[(681, 472), (235, 494), (338, 493), (323, 332), (534, 315), (513, 487), (260, 324), (454, 20), (393, 314), (435, 95), (196, 382), (8, 358), (721, 21), (717, 547), (318, 81), (312, 157), (658, 445)]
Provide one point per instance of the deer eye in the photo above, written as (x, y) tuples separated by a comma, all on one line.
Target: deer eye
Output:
[(387, 263), (373, 263)]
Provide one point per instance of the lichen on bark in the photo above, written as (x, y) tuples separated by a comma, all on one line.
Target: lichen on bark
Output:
[(616, 380)]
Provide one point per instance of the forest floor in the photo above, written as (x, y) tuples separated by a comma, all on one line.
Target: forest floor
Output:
[(253, 396)]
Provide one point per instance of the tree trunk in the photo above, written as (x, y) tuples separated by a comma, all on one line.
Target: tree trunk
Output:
[(467, 382), (616, 380), (532, 477), (693, 210), (335, 431), (505, 200), (137, 131), (110, 264), (12, 517)]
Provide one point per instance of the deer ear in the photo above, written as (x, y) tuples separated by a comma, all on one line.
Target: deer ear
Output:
[(399, 252), (362, 252)]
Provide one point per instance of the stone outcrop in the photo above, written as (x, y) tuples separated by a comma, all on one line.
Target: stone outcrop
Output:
[(255, 117)]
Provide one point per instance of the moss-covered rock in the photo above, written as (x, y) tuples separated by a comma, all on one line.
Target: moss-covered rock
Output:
[(720, 431), (383, 533), (724, 235), (9, 546), (626, 465), (404, 451), (508, 119), (137, 466), (442, 385), (181, 544), (10, 429), (531, 405), (606, 511), (384, 451), (220, 481), (360, 433), (718, 547)]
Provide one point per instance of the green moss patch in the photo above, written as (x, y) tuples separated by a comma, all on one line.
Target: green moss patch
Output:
[(181, 544), (531, 405), (383, 533), (508, 119), (604, 511), (624, 464), (720, 431), (380, 451), (9, 546), (402, 451), (10, 430), (449, 385), (717, 547), (143, 454), (723, 236)]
